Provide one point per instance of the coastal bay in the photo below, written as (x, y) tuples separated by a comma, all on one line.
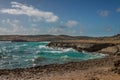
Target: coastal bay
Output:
[(95, 69)]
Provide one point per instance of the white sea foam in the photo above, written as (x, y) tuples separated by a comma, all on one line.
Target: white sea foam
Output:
[(95, 54), (103, 54), (22, 45), (60, 50), (68, 49), (4, 49), (32, 60), (42, 46), (35, 57), (53, 51), (83, 51), (37, 51), (26, 60), (16, 47), (15, 57), (33, 64), (66, 57)]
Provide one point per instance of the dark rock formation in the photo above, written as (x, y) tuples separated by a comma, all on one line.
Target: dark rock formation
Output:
[(110, 48), (19, 40)]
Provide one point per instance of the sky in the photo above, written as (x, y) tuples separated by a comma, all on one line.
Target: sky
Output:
[(60, 17)]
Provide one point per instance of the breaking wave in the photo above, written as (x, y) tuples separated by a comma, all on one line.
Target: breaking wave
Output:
[(42, 46)]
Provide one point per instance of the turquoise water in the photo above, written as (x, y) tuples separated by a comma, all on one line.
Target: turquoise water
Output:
[(29, 54)]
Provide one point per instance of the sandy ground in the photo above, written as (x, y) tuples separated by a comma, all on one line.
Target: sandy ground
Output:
[(102, 73)]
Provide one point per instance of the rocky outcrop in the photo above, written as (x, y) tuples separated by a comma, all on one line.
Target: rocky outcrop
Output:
[(110, 48)]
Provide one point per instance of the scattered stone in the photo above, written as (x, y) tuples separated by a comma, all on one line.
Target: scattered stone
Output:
[(117, 63), (116, 67), (94, 78)]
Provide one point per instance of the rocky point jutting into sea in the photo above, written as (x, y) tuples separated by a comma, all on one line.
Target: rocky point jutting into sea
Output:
[(106, 68), (109, 46)]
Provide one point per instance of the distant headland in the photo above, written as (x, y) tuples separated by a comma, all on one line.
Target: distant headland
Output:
[(31, 38)]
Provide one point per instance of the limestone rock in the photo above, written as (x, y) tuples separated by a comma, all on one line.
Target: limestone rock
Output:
[(111, 49)]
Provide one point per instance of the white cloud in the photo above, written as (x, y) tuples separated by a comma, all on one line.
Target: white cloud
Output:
[(61, 31), (16, 28), (6, 21), (9, 22), (71, 23), (4, 31), (22, 9), (103, 13), (118, 9), (56, 30), (64, 28)]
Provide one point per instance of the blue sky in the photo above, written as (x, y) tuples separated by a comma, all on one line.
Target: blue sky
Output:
[(60, 17)]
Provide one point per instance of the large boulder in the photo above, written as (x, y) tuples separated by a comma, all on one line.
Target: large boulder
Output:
[(111, 49)]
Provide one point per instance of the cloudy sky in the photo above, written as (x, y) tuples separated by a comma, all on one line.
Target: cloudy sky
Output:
[(66, 17)]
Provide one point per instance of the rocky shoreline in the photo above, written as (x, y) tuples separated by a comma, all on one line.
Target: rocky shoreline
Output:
[(106, 48), (107, 68)]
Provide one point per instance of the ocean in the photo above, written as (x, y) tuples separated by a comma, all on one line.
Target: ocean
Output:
[(30, 54)]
